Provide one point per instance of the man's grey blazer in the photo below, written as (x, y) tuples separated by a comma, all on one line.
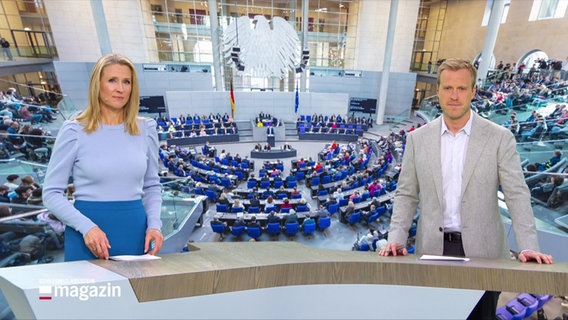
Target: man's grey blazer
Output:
[(492, 162)]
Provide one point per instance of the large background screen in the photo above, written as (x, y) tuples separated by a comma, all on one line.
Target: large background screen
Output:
[(152, 104), (363, 105)]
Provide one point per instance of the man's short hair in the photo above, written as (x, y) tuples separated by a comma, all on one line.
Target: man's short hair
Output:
[(12, 177), (28, 179), (5, 211), (37, 192), (22, 189), (455, 64)]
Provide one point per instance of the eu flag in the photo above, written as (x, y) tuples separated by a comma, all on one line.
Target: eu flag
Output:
[(297, 99)]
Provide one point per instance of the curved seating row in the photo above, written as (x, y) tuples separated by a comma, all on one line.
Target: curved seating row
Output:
[(273, 228)]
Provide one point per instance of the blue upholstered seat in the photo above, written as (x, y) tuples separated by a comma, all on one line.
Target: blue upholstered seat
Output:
[(292, 228), (254, 232), (273, 228)]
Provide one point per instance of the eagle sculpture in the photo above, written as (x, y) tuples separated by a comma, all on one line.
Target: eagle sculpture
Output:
[(264, 51)]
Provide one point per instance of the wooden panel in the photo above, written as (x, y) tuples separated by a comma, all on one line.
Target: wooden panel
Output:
[(211, 268)]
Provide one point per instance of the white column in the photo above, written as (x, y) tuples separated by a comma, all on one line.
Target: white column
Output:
[(305, 16), (101, 26), (217, 50), (387, 62), (490, 38)]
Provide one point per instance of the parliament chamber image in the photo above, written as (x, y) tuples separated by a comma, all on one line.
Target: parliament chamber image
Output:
[(389, 159)]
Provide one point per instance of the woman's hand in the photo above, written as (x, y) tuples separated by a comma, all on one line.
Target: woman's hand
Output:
[(155, 236), (96, 240)]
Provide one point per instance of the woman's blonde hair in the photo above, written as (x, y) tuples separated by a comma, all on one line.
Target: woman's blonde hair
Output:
[(90, 118)]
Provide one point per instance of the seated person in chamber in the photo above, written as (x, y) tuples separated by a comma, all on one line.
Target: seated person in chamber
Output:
[(217, 221), (273, 218), (208, 150), (286, 204), (556, 157), (291, 217), (330, 200), (254, 202), (269, 200), (253, 223), (369, 239), (544, 190), (365, 214), (237, 204), (232, 130), (239, 221), (202, 131), (223, 199), (344, 215), (295, 191), (308, 220), (321, 212)]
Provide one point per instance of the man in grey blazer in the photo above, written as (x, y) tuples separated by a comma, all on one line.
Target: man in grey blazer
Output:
[(453, 167)]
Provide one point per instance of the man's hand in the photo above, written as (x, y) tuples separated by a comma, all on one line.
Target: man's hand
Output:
[(393, 249), (531, 255)]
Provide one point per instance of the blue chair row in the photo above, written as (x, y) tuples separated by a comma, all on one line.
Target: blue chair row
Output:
[(225, 209), (292, 228), (269, 184), (253, 232), (272, 228), (522, 306)]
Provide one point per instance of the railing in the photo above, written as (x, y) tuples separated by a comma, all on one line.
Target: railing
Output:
[(66, 107), (396, 119), (33, 44)]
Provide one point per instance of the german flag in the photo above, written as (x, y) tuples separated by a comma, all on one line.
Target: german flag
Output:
[(233, 107)]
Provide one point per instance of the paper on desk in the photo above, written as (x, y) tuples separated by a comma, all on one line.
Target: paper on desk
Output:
[(142, 257), (442, 258)]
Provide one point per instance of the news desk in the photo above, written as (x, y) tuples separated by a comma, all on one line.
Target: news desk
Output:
[(271, 280)]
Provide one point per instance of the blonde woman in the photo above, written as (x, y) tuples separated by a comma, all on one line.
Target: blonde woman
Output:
[(111, 154)]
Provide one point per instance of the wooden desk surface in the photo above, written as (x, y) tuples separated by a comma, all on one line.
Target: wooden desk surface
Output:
[(213, 267)]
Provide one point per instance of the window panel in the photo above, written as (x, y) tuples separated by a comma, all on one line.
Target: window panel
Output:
[(548, 9), (489, 8)]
